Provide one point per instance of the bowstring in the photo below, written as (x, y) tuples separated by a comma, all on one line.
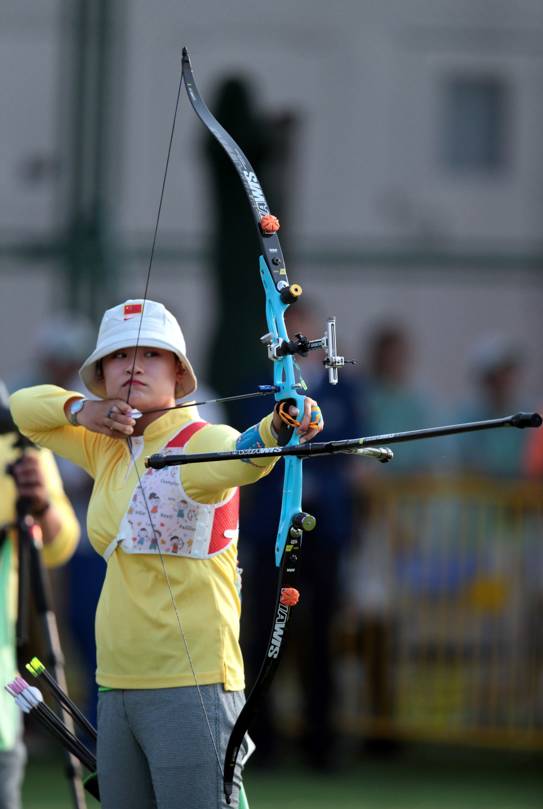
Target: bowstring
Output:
[(130, 445), (155, 234)]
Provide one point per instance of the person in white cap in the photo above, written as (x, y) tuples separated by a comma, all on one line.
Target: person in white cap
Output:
[(170, 670)]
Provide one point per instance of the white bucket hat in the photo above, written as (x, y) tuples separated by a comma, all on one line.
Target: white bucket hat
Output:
[(120, 328)]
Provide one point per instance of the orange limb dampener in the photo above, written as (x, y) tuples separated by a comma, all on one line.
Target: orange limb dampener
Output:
[(269, 224), (289, 596)]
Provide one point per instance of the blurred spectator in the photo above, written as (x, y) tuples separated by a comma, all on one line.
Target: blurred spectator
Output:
[(507, 554), (394, 403), (532, 574), (33, 476), (533, 458), (533, 455), (268, 141), (495, 365), (61, 344), (327, 494), (394, 400)]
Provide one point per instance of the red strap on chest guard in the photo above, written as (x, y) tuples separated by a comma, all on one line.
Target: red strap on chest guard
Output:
[(226, 519)]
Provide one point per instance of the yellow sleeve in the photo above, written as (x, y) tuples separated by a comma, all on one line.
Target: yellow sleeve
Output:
[(220, 476), (64, 544), (39, 414)]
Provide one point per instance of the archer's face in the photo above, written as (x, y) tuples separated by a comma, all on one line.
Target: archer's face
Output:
[(151, 375)]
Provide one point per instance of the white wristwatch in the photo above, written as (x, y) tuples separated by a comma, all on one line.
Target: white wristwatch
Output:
[(75, 408)]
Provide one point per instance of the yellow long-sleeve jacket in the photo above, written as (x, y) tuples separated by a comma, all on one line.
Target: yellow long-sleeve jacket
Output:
[(54, 553), (140, 637)]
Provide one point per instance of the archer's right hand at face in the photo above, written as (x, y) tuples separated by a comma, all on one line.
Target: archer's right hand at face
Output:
[(111, 417)]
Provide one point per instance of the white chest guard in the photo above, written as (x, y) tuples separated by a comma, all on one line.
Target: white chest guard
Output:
[(167, 521)]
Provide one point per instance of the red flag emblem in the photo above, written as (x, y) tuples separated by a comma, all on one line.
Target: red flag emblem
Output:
[(132, 309)]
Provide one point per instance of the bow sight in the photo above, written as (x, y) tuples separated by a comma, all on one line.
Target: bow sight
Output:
[(302, 345)]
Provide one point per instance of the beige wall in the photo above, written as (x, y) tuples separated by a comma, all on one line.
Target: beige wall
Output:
[(363, 78)]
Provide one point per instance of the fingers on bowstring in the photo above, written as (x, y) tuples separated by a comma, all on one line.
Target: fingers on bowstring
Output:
[(114, 422), (120, 406)]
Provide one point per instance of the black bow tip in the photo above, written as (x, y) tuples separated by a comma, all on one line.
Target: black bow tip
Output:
[(522, 420)]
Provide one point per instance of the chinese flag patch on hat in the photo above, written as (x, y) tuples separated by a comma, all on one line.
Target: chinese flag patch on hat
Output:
[(132, 309)]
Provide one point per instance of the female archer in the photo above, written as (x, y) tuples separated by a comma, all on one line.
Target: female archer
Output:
[(170, 670)]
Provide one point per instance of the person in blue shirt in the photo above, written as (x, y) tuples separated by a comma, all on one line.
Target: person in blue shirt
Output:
[(328, 495), (495, 366)]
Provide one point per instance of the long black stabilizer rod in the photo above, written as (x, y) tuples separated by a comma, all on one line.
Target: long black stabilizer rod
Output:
[(350, 446)]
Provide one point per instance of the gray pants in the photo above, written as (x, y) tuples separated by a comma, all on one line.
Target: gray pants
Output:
[(155, 750), (12, 764)]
